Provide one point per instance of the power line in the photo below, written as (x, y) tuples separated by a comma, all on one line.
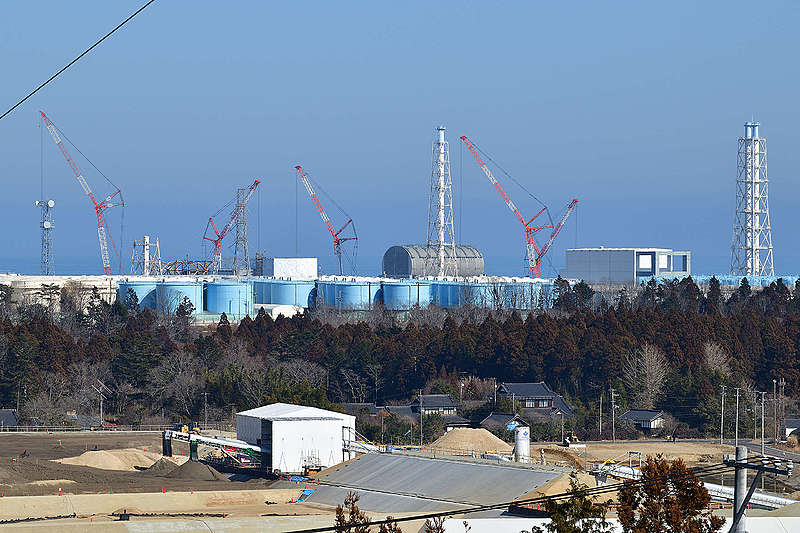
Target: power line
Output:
[(54, 76)]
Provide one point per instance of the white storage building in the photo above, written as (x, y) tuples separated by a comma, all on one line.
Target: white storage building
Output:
[(626, 266), (294, 437)]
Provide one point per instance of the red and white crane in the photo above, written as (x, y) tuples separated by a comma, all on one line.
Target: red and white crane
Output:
[(217, 240), (336, 235), (99, 207), (534, 255)]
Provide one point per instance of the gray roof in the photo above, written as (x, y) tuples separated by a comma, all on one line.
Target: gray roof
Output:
[(642, 415), (436, 401), (529, 391), (401, 410), (354, 408), (792, 421), (8, 417), (501, 419), (385, 482), (455, 420), (417, 260)]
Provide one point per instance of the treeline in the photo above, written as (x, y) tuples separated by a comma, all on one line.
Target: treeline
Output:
[(669, 346)]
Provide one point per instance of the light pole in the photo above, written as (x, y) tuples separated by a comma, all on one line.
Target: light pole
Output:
[(722, 417), (775, 407), (762, 423)]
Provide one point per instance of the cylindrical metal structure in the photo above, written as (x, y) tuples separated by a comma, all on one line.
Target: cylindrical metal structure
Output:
[(283, 292), (349, 294), (145, 292), (522, 444), (230, 297), (170, 294), (419, 260), (406, 294)]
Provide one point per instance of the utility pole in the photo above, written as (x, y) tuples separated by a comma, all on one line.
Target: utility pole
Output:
[(782, 384), (205, 410), (755, 415), (562, 427), (741, 494), (722, 418), (600, 433), (494, 380), (736, 431), (613, 415), (762, 423), (775, 407), (420, 418)]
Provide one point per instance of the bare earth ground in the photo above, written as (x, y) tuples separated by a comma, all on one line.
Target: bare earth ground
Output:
[(21, 476)]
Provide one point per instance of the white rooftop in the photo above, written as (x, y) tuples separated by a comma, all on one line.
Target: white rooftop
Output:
[(288, 411)]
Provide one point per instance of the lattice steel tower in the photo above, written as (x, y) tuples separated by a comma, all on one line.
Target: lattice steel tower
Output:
[(47, 225), (241, 257), (441, 236), (751, 250)]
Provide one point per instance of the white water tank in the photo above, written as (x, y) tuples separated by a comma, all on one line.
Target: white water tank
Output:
[(522, 444)]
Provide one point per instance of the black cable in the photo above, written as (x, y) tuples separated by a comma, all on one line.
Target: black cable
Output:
[(107, 35), (711, 469)]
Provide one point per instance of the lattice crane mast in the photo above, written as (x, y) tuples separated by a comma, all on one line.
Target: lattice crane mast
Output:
[(337, 239), (553, 235), (533, 255), (237, 212), (99, 207)]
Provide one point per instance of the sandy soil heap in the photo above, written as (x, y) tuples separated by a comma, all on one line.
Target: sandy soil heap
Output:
[(470, 440), (561, 484), (197, 472), (126, 459)]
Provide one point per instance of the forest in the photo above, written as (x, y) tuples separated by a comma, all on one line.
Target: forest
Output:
[(671, 346)]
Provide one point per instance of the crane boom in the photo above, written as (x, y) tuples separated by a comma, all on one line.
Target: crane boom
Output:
[(531, 248), (99, 207), (237, 212), (553, 235), (337, 240)]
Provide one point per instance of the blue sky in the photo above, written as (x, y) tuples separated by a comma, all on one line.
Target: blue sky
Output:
[(634, 108)]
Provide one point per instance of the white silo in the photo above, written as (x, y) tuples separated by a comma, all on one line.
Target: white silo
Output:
[(522, 444)]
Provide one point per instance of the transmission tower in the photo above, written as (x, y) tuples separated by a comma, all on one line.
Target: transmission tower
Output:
[(751, 250), (241, 258), (47, 225), (441, 237)]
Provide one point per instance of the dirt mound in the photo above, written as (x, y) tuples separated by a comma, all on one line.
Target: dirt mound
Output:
[(463, 440), (162, 467), (556, 456), (126, 459), (196, 472), (561, 484), (52, 482)]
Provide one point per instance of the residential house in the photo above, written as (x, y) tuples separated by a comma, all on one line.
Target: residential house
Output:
[(8, 418), (645, 419), (536, 399), (507, 421)]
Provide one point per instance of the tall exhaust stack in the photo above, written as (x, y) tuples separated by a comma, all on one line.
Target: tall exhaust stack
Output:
[(751, 250), (441, 236)]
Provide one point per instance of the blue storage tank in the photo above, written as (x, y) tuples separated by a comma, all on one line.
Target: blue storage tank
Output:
[(145, 292), (406, 294), (230, 297), (290, 292), (169, 294), (349, 294)]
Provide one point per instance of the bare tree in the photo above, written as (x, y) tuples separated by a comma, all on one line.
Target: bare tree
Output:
[(644, 372), (355, 384), (297, 370), (177, 378), (716, 358)]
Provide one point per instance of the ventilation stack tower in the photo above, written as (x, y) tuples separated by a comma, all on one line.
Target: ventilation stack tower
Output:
[(751, 250), (241, 257), (441, 236), (146, 258)]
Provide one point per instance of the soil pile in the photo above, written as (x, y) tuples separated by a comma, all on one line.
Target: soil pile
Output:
[(194, 471), (461, 440), (162, 467), (126, 459), (561, 484)]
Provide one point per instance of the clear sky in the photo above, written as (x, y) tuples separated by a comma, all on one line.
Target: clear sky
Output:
[(634, 108)]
